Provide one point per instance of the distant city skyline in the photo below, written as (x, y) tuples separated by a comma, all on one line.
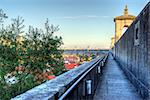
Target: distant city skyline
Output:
[(83, 23)]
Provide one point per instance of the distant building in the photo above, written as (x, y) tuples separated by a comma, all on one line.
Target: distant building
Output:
[(112, 42), (19, 39), (121, 22), (71, 61)]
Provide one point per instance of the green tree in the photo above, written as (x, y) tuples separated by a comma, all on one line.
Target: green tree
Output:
[(30, 60)]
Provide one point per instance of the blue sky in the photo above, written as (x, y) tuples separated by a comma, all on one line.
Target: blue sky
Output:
[(83, 23)]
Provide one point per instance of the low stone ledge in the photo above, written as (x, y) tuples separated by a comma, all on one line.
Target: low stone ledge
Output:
[(49, 89)]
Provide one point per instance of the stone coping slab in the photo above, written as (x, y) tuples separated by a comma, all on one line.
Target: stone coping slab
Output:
[(48, 89)]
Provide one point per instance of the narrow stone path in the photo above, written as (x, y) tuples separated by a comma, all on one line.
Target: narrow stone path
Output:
[(115, 85)]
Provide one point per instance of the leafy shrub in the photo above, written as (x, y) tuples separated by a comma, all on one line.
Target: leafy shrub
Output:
[(27, 60)]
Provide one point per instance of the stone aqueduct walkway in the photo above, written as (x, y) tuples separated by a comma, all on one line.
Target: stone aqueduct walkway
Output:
[(115, 85)]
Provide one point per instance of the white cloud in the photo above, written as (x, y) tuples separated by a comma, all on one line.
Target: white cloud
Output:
[(81, 17)]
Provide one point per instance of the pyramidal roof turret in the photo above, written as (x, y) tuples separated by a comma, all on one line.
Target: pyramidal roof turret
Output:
[(125, 15)]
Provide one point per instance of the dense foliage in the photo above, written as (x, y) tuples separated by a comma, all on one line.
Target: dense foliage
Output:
[(29, 59)]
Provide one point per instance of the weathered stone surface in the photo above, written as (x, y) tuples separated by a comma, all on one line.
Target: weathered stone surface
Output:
[(115, 85), (58, 85), (133, 52)]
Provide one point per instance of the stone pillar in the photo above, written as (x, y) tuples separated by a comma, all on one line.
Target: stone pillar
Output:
[(118, 30)]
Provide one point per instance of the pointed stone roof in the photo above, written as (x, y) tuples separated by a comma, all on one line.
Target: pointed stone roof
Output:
[(125, 15)]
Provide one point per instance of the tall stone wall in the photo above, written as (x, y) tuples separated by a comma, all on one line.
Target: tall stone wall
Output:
[(132, 51)]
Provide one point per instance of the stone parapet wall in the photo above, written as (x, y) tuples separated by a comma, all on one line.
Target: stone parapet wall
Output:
[(53, 89), (132, 51)]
